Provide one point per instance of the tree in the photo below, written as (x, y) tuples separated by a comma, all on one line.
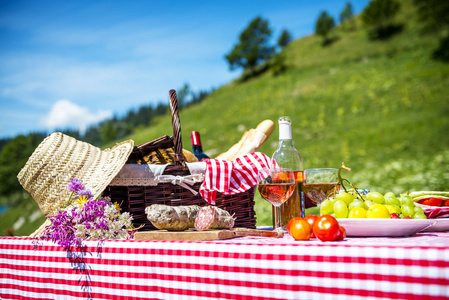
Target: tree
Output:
[(253, 47), (324, 25), (74, 133), (13, 157), (284, 39), (3, 143), (93, 136), (278, 64), (434, 14), (346, 16), (108, 131), (182, 94), (144, 115), (379, 15), (161, 109), (200, 96)]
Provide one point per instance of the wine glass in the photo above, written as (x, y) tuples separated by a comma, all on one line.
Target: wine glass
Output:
[(276, 185), (319, 184)]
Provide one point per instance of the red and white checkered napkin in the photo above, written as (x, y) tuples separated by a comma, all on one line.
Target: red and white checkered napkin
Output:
[(232, 177), (436, 212)]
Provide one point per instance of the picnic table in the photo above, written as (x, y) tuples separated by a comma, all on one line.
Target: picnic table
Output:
[(415, 267)]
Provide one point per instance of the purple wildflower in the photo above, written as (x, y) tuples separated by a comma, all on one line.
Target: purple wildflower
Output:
[(103, 225), (76, 185), (62, 231), (88, 218), (92, 211), (87, 193)]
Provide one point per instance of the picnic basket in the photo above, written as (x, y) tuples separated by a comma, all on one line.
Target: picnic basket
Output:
[(136, 197)]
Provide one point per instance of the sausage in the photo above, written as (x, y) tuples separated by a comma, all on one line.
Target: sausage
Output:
[(172, 217), (212, 217)]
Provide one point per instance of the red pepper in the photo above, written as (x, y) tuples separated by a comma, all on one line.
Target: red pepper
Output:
[(431, 201)]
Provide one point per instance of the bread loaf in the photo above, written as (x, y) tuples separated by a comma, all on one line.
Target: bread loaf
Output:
[(250, 141), (266, 127), (189, 156)]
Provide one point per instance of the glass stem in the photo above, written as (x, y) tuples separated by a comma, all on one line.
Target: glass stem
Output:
[(303, 204), (277, 217)]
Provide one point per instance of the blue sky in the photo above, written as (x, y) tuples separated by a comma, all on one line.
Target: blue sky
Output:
[(74, 63)]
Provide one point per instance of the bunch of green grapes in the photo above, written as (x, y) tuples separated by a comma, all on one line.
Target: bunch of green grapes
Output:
[(351, 204)]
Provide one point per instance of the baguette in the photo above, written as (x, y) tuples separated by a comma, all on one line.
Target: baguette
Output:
[(234, 149), (250, 141), (266, 127)]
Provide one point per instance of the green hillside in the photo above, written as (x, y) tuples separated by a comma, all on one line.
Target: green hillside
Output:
[(382, 107)]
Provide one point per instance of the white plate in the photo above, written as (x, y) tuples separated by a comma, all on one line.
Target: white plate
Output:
[(439, 225), (384, 227)]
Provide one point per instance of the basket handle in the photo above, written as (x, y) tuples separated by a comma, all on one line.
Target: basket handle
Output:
[(177, 140)]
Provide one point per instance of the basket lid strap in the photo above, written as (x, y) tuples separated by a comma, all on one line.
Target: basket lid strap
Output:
[(179, 156)]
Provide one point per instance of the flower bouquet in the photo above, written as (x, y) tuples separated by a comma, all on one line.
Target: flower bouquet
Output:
[(87, 218)]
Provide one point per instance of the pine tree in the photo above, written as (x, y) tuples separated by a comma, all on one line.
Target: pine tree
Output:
[(284, 39), (324, 25), (378, 16), (253, 47), (346, 17)]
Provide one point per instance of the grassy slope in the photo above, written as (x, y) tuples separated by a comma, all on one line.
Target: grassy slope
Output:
[(381, 107), (22, 219)]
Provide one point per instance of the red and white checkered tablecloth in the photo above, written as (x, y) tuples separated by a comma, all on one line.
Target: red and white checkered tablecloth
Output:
[(260, 268)]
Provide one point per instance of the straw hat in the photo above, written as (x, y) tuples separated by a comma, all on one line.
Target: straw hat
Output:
[(59, 159)]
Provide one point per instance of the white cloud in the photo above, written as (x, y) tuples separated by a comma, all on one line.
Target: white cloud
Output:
[(66, 114)]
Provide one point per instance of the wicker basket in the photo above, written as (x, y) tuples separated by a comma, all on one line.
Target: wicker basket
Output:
[(134, 199)]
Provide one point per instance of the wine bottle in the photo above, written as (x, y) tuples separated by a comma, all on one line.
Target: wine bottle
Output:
[(196, 145), (286, 156)]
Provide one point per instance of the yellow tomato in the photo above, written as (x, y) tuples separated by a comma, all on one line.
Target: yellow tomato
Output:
[(378, 211), (357, 212)]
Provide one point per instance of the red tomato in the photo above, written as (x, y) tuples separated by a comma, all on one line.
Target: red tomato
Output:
[(432, 201), (300, 230), (293, 220), (326, 228), (342, 234), (394, 216), (311, 219), (446, 203)]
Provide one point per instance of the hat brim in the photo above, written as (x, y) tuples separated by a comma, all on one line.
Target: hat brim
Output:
[(59, 159)]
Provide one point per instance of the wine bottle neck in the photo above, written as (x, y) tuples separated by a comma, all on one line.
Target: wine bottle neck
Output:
[(286, 154), (285, 130), (195, 137)]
